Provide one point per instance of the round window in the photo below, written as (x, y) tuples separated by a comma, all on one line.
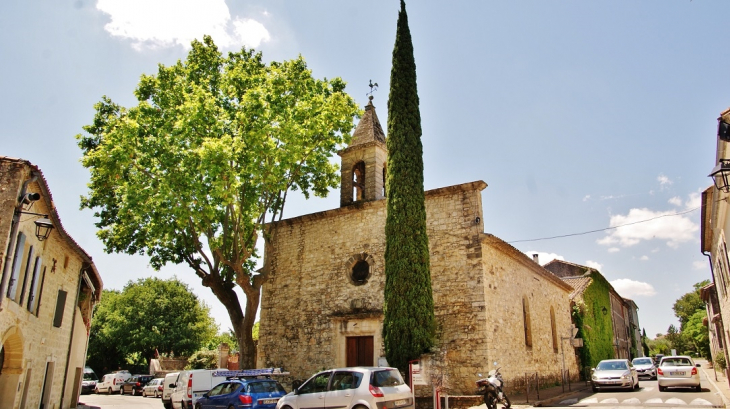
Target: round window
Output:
[(360, 272)]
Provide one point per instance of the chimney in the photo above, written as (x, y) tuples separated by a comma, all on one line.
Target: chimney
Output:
[(536, 258)]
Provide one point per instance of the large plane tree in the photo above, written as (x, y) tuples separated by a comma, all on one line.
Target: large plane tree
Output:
[(408, 327), (193, 172)]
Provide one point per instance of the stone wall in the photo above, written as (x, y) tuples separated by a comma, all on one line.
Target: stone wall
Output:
[(310, 304), (30, 340)]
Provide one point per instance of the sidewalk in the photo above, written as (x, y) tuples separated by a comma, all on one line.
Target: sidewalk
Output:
[(721, 384)]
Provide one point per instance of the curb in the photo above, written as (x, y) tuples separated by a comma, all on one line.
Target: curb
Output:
[(549, 401), (724, 398)]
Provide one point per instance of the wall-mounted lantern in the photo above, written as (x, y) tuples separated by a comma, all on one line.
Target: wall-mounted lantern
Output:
[(721, 175), (43, 228)]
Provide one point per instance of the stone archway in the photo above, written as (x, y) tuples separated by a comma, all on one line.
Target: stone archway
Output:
[(12, 366)]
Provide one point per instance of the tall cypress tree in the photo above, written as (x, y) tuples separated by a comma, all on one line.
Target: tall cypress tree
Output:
[(408, 327)]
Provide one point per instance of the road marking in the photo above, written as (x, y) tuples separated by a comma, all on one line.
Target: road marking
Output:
[(589, 400), (569, 401), (675, 401), (631, 401), (699, 401), (610, 400), (654, 400), (648, 388)]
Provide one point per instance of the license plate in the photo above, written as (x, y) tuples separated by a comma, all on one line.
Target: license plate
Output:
[(268, 401), (400, 402), (677, 373)]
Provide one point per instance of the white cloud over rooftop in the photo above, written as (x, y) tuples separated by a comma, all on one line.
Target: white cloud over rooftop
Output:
[(650, 225), (628, 288), (169, 23)]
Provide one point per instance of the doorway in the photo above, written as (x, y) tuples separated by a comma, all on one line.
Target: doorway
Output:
[(360, 351)]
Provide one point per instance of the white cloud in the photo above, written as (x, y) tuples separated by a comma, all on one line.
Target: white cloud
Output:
[(663, 180), (169, 23), (699, 265), (545, 258), (630, 288), (653, 225), (644, 258), (586, 198), (694, 201), (614, 250), (594, 264), (676, 200)]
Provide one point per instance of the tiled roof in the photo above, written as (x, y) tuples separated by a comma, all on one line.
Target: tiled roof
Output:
[(579, 284), (368, 129)]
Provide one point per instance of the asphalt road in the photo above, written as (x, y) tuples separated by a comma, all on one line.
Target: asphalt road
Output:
[(104, 401)]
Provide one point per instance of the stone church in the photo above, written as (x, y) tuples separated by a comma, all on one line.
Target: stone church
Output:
[(323, 304)]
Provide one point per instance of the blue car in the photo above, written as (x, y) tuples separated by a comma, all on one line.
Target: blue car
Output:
[(242, 394)]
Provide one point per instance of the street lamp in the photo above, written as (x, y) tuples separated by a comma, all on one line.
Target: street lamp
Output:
[(604, 310), (43, 228), (721, 175)]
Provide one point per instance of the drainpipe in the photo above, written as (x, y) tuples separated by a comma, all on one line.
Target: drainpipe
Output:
[(11, 242), (84, 266)]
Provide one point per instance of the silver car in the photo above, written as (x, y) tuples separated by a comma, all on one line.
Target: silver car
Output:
[(644, 367), (346, 388), (614, 373), (678, 371)]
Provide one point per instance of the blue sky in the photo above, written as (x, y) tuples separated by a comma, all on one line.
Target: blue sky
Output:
[(578, 115)]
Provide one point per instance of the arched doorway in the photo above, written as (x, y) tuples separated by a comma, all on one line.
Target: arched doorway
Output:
[(12, 366)]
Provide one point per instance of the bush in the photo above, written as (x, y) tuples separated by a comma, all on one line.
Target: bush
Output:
[(203, 359), (720, 361)]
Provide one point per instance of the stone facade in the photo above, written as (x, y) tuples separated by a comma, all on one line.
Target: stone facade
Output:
[(322, 306), (48, 293)]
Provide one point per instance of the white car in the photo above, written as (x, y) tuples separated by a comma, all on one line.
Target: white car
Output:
[(168, 386), (678, 371), (153, 388), (644, 367), (614, 373), (111, 383), (346, 388)]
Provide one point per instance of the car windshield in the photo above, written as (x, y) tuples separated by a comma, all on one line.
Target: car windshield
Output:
[(264, 387), (389, 377), (676, 362), (90, 376), (611, 366), (643, 361)]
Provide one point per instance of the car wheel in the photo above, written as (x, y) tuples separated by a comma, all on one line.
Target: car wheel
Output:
[(197, 406), (134, 392), (662, 388), (109, 390), (637, 384), (594, 388), (698, 388), (157, 394)]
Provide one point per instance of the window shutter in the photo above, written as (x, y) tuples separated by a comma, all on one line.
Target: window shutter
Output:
[(60, 306)]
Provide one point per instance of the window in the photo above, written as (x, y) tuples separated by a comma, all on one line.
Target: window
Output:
[(360, 271), (526, 322), (346, 380), (217, 390), (358, 181), (385, 174), (60, 306), (33, 296), (316, 384), (17, 261), (26, 273), (555, 331)]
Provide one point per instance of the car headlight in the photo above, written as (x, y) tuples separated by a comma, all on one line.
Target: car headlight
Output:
[(594, 377), (626, 375)]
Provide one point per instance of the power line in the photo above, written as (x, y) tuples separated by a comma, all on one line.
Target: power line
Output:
[(606, 228)]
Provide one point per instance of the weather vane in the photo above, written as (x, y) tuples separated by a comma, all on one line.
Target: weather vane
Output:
[(373, 87)]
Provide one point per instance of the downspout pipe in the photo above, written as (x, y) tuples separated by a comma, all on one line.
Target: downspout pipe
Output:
[(82, 272), (11, 241)]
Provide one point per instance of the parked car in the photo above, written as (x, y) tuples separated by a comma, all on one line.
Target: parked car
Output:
[(678, 371), (135, 384), (153, 388), (88, 384), (191, 385), (614, 373), (644, 367), (242, 393), (168, 386), (346, 388), (112, 382), (658, 358)]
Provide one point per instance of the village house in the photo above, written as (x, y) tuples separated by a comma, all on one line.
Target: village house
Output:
[(322, 306), (47, 294)]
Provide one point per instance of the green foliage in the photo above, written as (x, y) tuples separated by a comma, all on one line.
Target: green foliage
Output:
[(409, 324), (689, 303), (147, 316), (698, 334), (203, 359), (228, 337), (720, 361), (644, 344), (593, 325), (659, 345), (211, 149)]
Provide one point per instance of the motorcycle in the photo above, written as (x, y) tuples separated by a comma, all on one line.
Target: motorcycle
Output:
[(491, 388)]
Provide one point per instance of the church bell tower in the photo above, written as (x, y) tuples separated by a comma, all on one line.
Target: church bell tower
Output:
[(363, 162)]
